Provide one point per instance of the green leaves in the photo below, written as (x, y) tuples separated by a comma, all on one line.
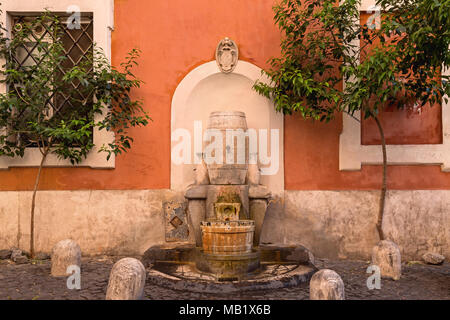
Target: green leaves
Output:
[(124, 112), (29, 112), (306, 78), (324, 43)]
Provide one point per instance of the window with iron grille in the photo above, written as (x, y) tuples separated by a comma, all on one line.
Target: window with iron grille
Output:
[(97, 30), (78, 47)]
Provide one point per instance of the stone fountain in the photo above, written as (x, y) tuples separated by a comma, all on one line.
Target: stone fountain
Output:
[(231, 213), (226, 207)]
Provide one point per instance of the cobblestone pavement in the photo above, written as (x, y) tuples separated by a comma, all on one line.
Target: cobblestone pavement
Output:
[(33, 282)]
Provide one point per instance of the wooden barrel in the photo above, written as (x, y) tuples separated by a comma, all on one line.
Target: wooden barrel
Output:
[(227, 237), (226, 173)]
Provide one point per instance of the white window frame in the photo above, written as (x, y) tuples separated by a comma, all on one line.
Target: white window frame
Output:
[(103, 13), (352, 154)]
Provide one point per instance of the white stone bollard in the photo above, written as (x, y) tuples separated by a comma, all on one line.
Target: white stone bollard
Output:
[(386, 255), (326, 285), (65, 253), (127, 280)]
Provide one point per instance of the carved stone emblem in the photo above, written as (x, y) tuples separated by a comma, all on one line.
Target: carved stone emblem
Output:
[(176, 222), (227, 55)]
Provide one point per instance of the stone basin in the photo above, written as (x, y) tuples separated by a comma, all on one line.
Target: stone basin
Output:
[(186, 267), (232, 267), (227, 249)]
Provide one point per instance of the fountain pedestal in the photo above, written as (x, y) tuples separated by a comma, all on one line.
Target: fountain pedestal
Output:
[(229, 267)]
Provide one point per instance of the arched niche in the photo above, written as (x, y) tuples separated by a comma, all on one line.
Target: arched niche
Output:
[(206, 89)]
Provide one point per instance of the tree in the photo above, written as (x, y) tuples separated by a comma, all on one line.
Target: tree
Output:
[(32, 112), (399, 63)]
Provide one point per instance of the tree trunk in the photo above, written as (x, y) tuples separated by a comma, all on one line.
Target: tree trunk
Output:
[(384, 183), (33, 203)]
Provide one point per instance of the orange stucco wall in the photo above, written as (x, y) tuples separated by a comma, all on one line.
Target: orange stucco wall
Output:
[(176, 36), (406, 126)]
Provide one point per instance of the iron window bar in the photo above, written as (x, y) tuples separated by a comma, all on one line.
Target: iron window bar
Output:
[(78, 45)]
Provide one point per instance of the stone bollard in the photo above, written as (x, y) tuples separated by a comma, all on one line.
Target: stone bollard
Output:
[(127, 280), (386, 255), (326, 285), (64, 254)]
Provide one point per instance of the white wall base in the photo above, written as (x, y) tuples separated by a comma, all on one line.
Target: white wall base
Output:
[(341, 224), (333, 224), (101, 222)]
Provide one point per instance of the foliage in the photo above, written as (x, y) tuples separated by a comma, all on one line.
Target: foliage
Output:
[(321, 46), (99, 96), (28, 118), (398, 64)]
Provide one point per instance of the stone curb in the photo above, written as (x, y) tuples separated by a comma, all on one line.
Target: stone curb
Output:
[(301, 274)]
